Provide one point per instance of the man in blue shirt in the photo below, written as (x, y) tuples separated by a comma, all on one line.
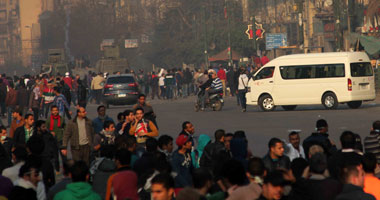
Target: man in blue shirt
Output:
[(98, 122)]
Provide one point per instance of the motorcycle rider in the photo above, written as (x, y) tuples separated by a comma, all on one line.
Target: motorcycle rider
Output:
[(212, 86)]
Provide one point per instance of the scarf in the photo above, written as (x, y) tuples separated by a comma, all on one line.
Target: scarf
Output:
[(52, 118)]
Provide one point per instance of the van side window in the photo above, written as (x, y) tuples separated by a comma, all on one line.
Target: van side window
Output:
[(267, 72), (312, 71)]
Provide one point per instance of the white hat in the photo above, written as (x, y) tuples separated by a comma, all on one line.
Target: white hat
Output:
[(67, 74)]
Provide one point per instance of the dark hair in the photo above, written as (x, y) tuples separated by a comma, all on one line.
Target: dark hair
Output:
[(165, 179), (20, 153), (139, 109), (25, 168), (164, 140), (99, 107), (107, 124), (53, 106), (28, 115), (219, 134), (200, 177), (2, 128), (184, 124), (318, 163), (229, 135), (240, 134), (273, 142), (275, 178), (297, 166), (256, 167), (120, 116), (79, 171), (293, 133), (127, 112), (107, 151), (321, 123), (369, 162), (348, 140), (376, 125), (36, 144), (17, 110), (234, 172), (151, 144), (39, 123), (141, 95), (123, 156), (57, 89)]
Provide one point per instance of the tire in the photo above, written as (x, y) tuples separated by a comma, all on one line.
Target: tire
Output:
[(329, 101), (288, 108), (354, 104), (217, 106), (266, 103)]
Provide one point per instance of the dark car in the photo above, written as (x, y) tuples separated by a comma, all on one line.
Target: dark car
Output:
[(121, 90)]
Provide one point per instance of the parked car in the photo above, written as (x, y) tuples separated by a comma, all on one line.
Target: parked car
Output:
[(120, 90)]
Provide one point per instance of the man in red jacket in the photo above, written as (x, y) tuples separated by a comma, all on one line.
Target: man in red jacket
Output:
[(222, 77)]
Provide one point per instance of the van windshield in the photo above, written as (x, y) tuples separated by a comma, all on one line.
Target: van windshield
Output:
[(361, 69)]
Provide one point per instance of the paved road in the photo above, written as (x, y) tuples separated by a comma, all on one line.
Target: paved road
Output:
[(259, 126)]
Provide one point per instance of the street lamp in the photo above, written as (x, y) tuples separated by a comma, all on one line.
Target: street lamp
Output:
[(31, 43)]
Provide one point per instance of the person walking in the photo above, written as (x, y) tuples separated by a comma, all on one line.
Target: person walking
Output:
[(243, 89), (80, 133), (97, 85)]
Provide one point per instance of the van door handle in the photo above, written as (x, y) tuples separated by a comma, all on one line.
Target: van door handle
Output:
[(270, 81)]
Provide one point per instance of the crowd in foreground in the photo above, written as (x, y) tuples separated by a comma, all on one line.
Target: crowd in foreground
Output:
[(129, 159)]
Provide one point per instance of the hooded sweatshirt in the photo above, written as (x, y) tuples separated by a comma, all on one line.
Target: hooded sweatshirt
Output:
[(197, 154), (78, 191)]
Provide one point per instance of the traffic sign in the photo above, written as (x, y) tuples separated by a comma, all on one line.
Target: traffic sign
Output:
[(275, 40)]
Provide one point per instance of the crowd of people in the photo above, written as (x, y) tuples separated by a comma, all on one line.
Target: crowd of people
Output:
[(129, 159)]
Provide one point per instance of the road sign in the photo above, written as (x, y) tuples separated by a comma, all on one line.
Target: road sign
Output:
[(275, 40)]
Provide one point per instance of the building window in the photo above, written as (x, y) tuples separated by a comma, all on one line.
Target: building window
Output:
[(3, 16), (3, 3), (3, 29)]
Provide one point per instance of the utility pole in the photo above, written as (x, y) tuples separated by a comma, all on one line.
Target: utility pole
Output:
[(337, 11), (254, 32), (348, 24), (229, 33), (205, 37)]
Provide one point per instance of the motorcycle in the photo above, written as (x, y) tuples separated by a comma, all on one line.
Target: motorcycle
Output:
[(215, 101)]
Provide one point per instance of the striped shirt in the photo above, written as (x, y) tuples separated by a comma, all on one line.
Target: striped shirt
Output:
[(216, 84), (372, 144)]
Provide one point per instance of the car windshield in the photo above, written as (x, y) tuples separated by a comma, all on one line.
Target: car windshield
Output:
[(120, 80)]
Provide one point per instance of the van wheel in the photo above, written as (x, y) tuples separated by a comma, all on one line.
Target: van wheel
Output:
[(354, 104), (330, 101), (289, 107), (266, 103)]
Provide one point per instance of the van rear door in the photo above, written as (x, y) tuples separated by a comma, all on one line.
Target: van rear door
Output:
[(362, 81)]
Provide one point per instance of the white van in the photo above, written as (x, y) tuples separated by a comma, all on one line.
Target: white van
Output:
[(306, 79)]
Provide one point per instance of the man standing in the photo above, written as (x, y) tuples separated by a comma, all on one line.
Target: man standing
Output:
[(371, 182), (35, 100), (275, 158), (321, 138), (23, 133), (61, 102), (97, 87), (142, 128), (293, 149), (126, 126), (353, 177), (148, 109), (181, 162), (372, 142), (99, 121), (80, 133), (154, 85), (79, 189), (222, 76), (169, 84), (11, 102), (47, 98), (55, 123), (17, 121), (188, 130), (162, 187)]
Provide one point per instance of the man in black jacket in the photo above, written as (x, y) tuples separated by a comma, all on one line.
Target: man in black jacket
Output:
[(275, 158), (51, 145), (23, 133), (321, 138), (353, 177)]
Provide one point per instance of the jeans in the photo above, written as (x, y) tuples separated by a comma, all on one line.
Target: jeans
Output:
[(242, 99), (163, 92), (169, 92), (185, 90)]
